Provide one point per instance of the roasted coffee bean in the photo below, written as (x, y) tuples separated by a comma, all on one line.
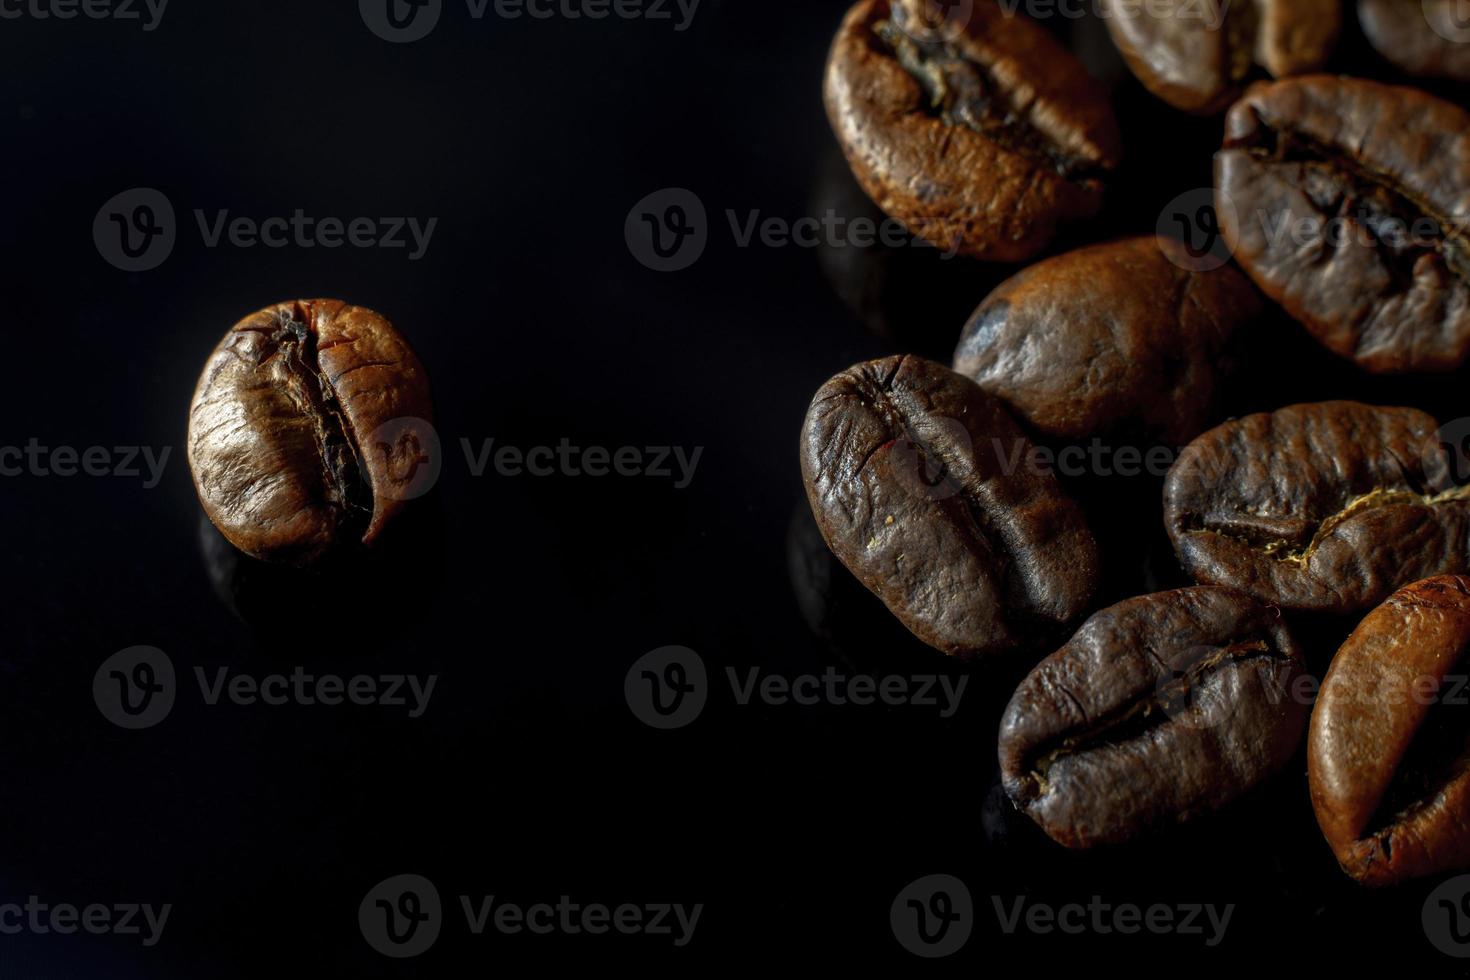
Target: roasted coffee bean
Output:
[(925, 488), (1117, 338), (1328, 506), (1196, 56), (1389, 753), (980, 135), (1161, 709), (294, 437), (1423, 37), (1347, 201)]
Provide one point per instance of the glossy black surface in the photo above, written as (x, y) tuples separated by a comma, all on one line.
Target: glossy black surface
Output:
[(528, 777)]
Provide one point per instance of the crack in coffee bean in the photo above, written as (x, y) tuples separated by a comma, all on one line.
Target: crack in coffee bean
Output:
[(1437, 757), (1340, 187), (289, 438), (1377, 176), (317, 400), (1159, 709), (962, 92), (1294, 552), (974, 557), (934, 466), (1136, 719), (984, 137), (1327, 506)]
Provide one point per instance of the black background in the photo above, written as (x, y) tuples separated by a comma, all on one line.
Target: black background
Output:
[(528, 777)]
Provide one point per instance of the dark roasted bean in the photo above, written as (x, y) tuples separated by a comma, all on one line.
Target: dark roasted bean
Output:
[(924, 487)]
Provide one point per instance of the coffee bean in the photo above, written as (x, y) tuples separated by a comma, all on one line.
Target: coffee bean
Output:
[(926, 489), (1116, 338), (1328, 506), (1347, 202), (1161, 709), (1196, 56), (282, 429), (1389, 752), (981, 135), (1423, 37)]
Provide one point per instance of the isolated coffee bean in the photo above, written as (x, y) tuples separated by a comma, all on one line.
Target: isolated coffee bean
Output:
[(1347, 202), (926, 489), (282, 431), (1328, 506), (1423, 37), (1116, 338), (1197, 56), (1161, 709), (1389, 753), (974, 128)]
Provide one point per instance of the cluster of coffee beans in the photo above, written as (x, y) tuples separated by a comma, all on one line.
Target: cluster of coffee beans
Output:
[(969, 125)]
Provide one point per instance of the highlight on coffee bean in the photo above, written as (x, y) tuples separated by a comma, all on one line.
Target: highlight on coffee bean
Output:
[(973, 127), (1390, 738), (308, 430)]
